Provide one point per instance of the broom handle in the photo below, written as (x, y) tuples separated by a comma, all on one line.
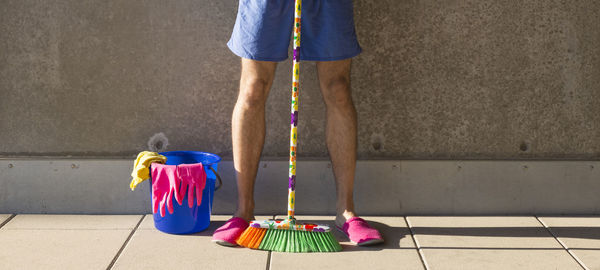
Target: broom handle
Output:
[(294, 114)]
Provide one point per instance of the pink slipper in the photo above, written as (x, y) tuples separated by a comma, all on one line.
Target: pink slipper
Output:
[(360, 233), (230, 231)]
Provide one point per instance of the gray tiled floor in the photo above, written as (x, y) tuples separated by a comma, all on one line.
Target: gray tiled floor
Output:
[(489, 243), (152, 249), (398, 250), (132, 242), (63, 241), (581, 235)]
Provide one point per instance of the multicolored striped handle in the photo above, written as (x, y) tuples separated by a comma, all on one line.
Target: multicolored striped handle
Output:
[(294, 115)]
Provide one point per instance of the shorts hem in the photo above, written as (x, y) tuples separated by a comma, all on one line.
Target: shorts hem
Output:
[(332, 58), (279, 59), (253, 57)]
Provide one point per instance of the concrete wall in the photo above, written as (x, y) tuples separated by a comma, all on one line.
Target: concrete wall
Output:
[(474, 79), (394, 187)]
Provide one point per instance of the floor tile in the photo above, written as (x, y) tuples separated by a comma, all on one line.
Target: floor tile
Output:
[(93, 246), (148, 222), (73, 222), (581, 235), (488, 243), (152, 249), (4, 217), (398, 251)]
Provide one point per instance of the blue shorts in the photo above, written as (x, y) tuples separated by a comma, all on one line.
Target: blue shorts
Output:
[(263, 30)]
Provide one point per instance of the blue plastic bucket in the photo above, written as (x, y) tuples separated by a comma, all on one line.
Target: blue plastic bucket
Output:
[(184, 219)]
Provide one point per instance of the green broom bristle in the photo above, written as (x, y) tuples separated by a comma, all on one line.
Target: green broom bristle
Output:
[(299, 241)]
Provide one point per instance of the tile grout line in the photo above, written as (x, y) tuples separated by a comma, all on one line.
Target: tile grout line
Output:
[(270, 254), (562, 244), (7, 220), (416, 242), (125, 243), (269, 260)]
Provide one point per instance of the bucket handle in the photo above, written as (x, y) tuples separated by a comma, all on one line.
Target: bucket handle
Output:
[(218, 177)]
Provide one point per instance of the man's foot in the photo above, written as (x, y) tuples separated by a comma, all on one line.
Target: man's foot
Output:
[(230, 231), (340, 219), (359, 232)]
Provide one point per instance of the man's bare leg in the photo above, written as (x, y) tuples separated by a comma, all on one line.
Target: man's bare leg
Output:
[(334, 80), (248, 129)]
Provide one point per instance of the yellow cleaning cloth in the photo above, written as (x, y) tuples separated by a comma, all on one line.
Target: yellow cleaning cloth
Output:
[(141, 171)]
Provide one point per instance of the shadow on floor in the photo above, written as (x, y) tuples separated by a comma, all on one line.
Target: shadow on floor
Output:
[(567, 232)]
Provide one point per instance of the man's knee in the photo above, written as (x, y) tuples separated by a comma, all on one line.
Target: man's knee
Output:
[(255, 81), (336, 92), (253, 92)]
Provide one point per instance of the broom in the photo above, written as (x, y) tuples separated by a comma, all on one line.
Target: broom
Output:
[(288, 235)]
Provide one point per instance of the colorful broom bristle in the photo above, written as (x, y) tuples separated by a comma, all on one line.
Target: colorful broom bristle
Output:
[(282, 240), (252, 237), (285, 240)]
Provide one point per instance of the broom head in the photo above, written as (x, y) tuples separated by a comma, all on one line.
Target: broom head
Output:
[(288, 236)]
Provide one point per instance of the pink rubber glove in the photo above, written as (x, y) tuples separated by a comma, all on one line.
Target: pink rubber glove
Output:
[(165, 182), (193, 178)]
